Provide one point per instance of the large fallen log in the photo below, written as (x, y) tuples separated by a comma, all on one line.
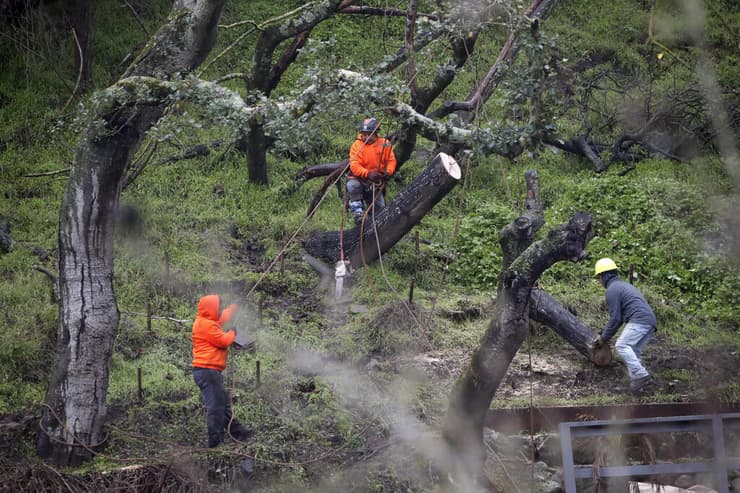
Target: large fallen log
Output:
[(361, 246), (544, 309)]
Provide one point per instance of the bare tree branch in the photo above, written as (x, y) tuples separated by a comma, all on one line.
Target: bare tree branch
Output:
[(137, 17), (384, 12), (52, 278), (539, 9)]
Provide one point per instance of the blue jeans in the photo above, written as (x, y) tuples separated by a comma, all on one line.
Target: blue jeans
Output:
[(218, 405), (630, 345), (362, 191)]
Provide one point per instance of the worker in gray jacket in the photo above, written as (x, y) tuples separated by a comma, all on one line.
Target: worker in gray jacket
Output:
[(626, 305)]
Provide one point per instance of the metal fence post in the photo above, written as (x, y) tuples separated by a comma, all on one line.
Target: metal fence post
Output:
[(569, 476)]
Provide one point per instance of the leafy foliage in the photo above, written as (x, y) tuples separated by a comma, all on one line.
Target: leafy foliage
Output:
[(477, 251)]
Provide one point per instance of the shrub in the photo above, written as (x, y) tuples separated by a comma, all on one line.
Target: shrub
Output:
[(476, 248)]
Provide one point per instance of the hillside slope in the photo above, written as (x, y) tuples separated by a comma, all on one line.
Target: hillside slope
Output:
[(348, 393)]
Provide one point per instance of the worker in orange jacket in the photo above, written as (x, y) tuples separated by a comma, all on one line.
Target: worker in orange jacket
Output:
[(371, 164), (210, 350)]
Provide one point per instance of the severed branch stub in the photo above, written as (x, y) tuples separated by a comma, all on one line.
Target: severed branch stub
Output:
[(361, 246)]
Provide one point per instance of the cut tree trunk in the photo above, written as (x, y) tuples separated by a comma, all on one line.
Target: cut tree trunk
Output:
[(361, 246), (544, 309)]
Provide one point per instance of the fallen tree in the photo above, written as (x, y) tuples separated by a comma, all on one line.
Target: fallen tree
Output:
[(409, 207), (524, 262), (544, 309), (364, 244)]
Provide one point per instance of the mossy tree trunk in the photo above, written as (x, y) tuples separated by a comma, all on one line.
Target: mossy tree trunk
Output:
[(75, 409), (524, 262)]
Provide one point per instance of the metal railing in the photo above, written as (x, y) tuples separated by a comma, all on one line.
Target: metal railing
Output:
[(714, 424)]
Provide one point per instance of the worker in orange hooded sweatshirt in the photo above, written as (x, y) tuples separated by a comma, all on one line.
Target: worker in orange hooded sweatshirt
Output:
[(371, 164), (210, 350)]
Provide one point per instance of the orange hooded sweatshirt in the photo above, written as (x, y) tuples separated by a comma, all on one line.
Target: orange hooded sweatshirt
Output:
[(378, 156), (210, 342)]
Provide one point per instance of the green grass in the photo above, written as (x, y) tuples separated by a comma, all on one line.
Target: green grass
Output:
[(204, 228)]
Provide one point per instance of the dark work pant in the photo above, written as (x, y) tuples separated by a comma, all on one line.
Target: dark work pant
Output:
[(218, 405)]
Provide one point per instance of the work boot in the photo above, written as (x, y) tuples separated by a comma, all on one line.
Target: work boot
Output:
[(215, 439), (355, 206), (240, 432), (637, 384)]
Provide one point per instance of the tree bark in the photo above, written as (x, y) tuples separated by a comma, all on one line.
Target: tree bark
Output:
[(254, 144), (519, 234), (581, 146), (317, 170), (544, 309), (88, 314), (361, 246), (587, 151), (474, 390), (75, 408), (332, 178)]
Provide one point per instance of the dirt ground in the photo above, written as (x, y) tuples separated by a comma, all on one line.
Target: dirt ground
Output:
[(561, 374)]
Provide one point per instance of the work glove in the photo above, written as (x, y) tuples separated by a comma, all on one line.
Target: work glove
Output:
[(597, 342), (234, 343), (373, 176), (385, 176)]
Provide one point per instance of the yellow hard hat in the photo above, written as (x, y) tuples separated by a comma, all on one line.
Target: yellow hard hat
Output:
[(604, 265)]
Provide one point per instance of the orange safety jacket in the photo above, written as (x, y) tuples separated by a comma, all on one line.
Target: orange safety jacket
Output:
[(364, 158), (210, 342)]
